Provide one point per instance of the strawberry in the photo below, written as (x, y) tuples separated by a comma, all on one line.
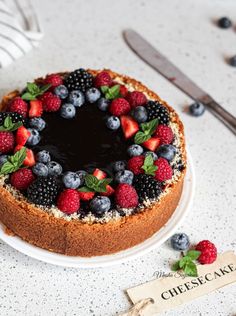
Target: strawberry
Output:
[(86, 196), (99, 174), (18, 105), (164, 171), (129, 126), (51, 102), (69, 201), (22, 178), (54, 80), (152, 143), (102, 79), (22, 134), (109, 191), (6, 142), (29, 159), (119, 107), (136, 98), (36, 108)]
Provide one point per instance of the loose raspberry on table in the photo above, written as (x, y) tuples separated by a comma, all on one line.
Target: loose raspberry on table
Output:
[(208, 252)]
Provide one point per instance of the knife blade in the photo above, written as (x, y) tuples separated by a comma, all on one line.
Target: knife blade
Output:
[(166, 68)]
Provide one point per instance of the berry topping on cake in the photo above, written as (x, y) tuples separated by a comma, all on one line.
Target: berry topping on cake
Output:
[(129, 126), (43, 191), (147, 187), (103, 104), (92, 95), (54, 168), (124, 176), (165, 134), (71, 180), (164, 171), (15, 117), (19, 106), (126, 196), (22, 135), (135, 164), (152, 143), (113, 122), (36, 108), (61, 91), (140, 114), (68, 111), (134, 150), (37, 123), (102, 79), (100, 205), (54, 80), (136, 98), (86, 196), (6, 142), (43, 156), (29, 159), (22, 178), (34, 137), (69, 201), (51, 102), (157, 110), (166, 151), (79, 79), (40, 169), (119, 107), (208, 252)]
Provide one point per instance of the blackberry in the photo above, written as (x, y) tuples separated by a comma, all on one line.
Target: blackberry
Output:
[(156, 110), (79, 79), (43, 191), (16, 117), (147, 187)]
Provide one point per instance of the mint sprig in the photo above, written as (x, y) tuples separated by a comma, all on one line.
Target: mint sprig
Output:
[(13, 162), (9, 126), (93, 184), (148, 165), (33, 91), (111, 93), (147, 129), (187, 264)]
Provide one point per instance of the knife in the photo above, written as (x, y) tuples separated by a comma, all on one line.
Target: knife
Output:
[(160, 63)]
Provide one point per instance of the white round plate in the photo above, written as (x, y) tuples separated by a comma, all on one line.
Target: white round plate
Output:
[(101, 261)]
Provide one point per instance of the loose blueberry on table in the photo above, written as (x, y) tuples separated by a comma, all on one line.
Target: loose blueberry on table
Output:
[(86, 145)]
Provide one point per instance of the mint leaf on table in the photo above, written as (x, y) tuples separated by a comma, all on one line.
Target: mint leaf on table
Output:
[(111, 93), (93, 184), (187, 264), (193, 254), (33, 91), (13, 162), (9, 126), (148, 165), (147, 129)]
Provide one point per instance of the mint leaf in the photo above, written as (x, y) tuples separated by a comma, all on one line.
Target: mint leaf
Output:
[(14, 162), (33, 90), (184, 261), (190, 269), (149, 127), (9, 126), (104, 89), (44, 88), (28, 96), (175, 266), (85, 189), (141, 137), (91, 181), (111, 93), (148, 166), (193, 254), (93, 184)]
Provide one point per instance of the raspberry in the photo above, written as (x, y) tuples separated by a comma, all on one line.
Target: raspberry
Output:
[(135, 164), (164, 171), (102, 79), (208, 252), (165, 134), (136, 98), (19, 106), (22, 178), (54, 80), (119, 107), (6, 142), (51, 102), (69, 201), (126, 196)]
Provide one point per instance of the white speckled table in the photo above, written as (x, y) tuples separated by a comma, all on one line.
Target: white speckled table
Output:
[(88, 34)]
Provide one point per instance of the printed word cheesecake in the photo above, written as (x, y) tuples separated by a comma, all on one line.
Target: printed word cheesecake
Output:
[(92, 162)]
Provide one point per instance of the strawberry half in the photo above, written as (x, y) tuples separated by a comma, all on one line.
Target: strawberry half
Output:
[(152, 143), (22, 134), (36, 108), (129, 126), (109, 191), (86, 196), (99, 174), (29, 159)]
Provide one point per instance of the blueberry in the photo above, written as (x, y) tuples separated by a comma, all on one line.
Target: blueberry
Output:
[(119, 165), (34, 137), (37, 123), (140, 114), (40, 169), (3, 159), (76, 97), (92, 95), (224, 23), (100, 204), (180, 242), (54, 168), (68, 111), (232, 61), (103, 104), (125, 176), (61, 91), (113, 122), (166, 151), (196, 109), (154, 156), (134, 150), (81, 174), (43, 156), (71, 180)]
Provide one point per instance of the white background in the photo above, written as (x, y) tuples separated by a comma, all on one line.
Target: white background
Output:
[(88, 34)]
